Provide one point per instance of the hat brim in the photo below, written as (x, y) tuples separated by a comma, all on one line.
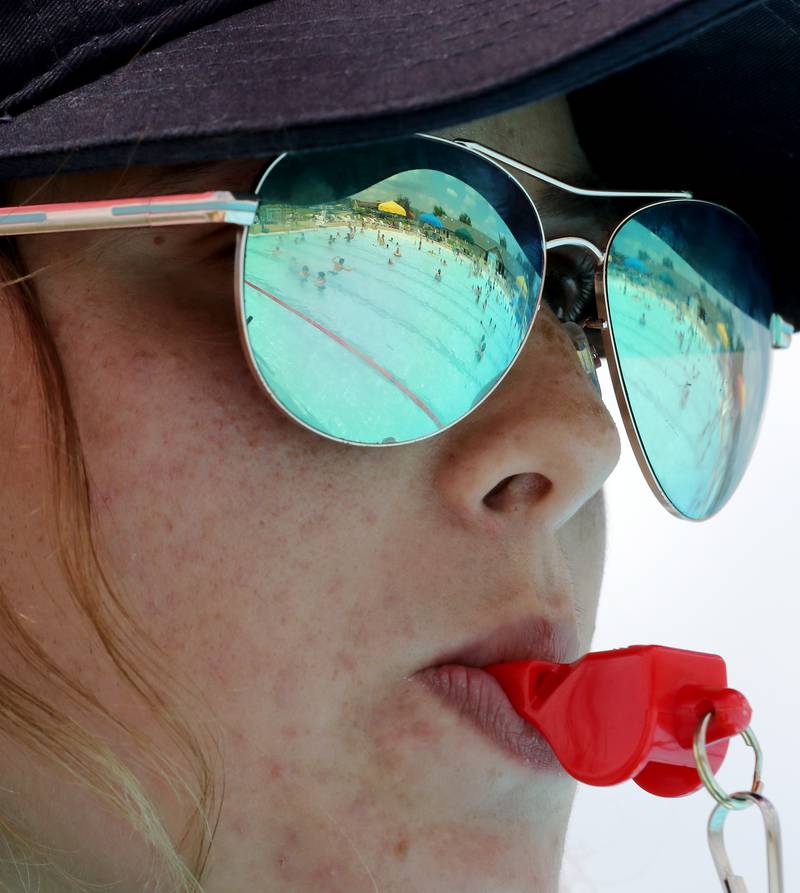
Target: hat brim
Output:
[(288, 74)]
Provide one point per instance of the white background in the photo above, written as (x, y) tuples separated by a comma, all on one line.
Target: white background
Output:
[(726, 586)]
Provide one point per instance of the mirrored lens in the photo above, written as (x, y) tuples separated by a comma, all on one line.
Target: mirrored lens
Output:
[(387, 289), (689, 306)]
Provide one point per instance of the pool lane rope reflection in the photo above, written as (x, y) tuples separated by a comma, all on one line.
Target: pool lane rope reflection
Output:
[(354, 350)]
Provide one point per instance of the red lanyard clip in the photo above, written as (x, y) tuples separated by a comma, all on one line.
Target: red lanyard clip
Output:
[(629, 713)]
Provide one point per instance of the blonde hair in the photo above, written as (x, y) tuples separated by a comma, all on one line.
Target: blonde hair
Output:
[(54, 733)]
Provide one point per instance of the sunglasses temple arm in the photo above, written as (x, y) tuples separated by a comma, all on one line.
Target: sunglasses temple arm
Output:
[(157, 210)]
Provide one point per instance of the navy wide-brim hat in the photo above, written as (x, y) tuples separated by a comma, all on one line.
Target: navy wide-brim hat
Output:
[(667, 94)]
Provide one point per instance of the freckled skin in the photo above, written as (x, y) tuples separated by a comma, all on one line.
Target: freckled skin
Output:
[(401, 848), (298, 582)]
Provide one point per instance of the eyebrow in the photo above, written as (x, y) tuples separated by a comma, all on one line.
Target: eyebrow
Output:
[(183, 177)]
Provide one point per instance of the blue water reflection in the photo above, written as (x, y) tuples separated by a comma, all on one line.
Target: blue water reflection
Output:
[(373, 323), (689, 307)]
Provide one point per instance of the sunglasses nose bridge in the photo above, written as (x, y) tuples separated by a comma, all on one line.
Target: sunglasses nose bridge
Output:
[(576, 332), (578, 242)]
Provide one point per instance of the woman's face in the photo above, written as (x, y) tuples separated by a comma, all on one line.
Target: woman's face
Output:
[(301, 583)]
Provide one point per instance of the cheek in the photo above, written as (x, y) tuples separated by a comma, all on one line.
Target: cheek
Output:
[(583, 541), (219, 514), (188, 458), (193, 438)]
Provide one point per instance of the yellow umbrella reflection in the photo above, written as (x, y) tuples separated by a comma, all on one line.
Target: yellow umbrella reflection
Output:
[(723, 334), (523, 285), (392, 208)]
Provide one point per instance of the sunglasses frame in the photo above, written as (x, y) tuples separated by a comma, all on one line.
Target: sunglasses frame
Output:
[(241, 316), (240, 209), (615, 371)]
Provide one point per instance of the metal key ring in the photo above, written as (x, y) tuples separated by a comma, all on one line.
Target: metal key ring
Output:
[(707, 775)]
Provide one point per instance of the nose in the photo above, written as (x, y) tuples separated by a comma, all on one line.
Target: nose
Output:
[(538, 448)]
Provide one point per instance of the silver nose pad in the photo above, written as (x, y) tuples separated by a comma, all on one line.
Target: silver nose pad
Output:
[(581, 342)]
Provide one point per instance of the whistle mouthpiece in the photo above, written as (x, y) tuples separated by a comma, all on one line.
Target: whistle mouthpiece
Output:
[(629, 713)]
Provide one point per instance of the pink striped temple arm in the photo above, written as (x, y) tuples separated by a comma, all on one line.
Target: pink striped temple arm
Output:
[(154, 210)]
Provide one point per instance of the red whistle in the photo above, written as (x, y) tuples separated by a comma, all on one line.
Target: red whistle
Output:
[(629, 713)]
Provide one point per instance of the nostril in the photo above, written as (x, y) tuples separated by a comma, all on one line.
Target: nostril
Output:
[(517, 489)]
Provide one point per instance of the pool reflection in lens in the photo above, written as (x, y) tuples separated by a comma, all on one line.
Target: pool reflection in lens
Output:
[(688, 306), (388, 288)]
